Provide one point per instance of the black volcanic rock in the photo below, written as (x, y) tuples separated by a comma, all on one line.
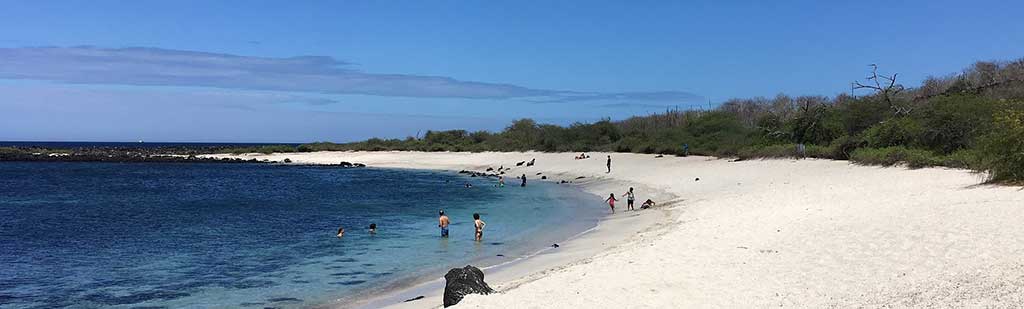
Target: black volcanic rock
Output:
[(460, 282)]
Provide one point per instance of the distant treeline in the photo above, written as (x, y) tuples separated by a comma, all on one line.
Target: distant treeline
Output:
[(974, 119)]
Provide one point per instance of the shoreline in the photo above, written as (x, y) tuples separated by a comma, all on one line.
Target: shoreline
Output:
[(430, 286), (758, 233), (609, 232)]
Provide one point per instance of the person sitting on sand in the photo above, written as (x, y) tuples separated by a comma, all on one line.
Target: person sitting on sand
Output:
[(442, 223), (479, 225), (647, 204), (611, 201), (373, 228), (341, 232)]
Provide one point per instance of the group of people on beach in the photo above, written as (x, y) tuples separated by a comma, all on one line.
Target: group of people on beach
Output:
[(630, 200), (478, 225)]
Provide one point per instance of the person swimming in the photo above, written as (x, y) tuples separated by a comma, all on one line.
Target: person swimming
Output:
[(479, 225), (373, 228), (524, 181), (341, 232), (442, 222), (501, 181), (611, 201)]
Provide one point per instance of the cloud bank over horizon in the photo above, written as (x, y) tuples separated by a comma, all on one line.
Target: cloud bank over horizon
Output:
[(141, 66)]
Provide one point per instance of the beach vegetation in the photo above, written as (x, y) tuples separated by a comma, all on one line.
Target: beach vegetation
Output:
[(974, 119)]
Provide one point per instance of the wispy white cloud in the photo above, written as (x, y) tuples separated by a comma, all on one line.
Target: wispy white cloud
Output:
[(318, 74), (656, 96)]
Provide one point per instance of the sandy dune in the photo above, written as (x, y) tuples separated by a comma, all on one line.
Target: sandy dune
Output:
[(809, 233)]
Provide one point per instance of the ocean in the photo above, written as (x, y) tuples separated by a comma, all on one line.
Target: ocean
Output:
[(64, 145), (255, 235)]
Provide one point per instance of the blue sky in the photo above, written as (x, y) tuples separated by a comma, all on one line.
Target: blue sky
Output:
[(261, 71)]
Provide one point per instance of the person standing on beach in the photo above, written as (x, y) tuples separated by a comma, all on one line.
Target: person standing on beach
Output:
[(609, 164), (630, 198), (479, 225), (611, 201), (442, 223)]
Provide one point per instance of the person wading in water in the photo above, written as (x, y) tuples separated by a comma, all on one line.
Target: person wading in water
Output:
[(442, 222)]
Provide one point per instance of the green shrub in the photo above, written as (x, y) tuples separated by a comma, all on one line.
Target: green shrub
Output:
[(894, 132), (963, 158), (821, 152), (955, 122), (842, 147), (889, 156), (1002, 150), (767, 151)]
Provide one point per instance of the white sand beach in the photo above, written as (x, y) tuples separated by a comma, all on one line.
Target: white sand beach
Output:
[(760, 233)]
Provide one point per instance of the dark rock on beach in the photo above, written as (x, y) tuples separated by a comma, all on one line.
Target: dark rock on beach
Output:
[(460, 282)]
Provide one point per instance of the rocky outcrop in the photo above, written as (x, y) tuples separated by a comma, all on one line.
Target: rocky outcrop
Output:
[(460, 282)]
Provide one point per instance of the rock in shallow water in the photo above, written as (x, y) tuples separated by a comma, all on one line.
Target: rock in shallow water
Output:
[(460, 282)]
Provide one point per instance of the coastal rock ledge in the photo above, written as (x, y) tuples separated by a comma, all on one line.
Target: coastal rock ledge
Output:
[(460, 282)]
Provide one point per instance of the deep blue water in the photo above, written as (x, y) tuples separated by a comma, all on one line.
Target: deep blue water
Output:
[(127, 144), (227, 235)]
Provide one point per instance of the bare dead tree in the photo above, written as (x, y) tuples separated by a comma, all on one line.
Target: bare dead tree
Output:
[(888, 92)]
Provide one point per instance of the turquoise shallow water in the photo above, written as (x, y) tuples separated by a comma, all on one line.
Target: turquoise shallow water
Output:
[(211, 235)]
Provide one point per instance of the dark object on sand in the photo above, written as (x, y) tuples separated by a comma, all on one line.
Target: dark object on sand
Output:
[(531, 162), (415, 298), (460, 282), (501, 255), (287, 160), (538, 174), (521, 163), (490, 169), (345, 164), (581, 177), (659, 156), (696, 179), (543, 177), (554, 246)]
